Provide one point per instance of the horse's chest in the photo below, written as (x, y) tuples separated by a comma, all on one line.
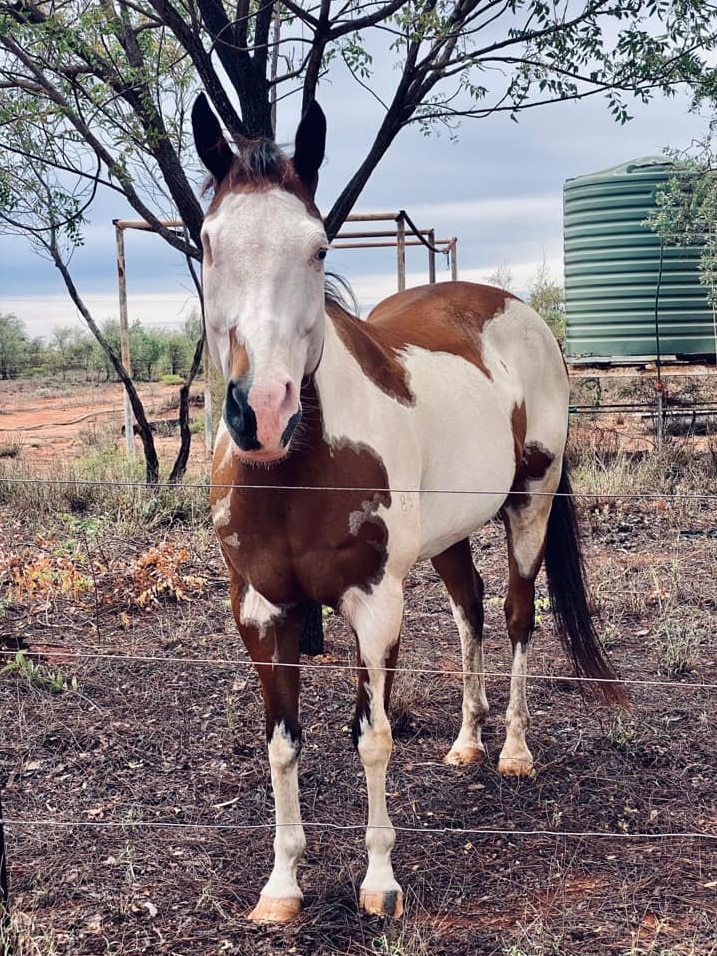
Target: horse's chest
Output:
[(294, 545), (304, 535)]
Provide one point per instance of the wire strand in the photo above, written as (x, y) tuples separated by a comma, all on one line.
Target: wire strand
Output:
[(356, 827), (208, 486), (355, 668)]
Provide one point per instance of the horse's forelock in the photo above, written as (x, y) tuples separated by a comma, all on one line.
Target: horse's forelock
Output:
[(261, 164)]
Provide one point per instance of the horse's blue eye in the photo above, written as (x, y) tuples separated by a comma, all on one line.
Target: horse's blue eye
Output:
[(321, 255)]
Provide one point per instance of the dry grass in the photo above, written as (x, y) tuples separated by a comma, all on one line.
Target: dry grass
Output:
[(486, 863)]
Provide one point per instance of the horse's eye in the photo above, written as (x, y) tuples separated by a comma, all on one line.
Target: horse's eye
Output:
[(321, 254)]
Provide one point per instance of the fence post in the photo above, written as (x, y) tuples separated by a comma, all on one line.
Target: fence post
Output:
[(401, 250), (660, 420), (454, 259)]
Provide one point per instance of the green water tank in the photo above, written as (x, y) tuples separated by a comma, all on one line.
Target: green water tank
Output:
[(616, 286)]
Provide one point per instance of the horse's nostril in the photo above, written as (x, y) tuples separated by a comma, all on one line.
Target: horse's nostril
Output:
[(290, 396), (239, 417)]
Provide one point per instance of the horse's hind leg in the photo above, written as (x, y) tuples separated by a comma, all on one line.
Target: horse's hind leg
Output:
[(465, 589), (526, 522)]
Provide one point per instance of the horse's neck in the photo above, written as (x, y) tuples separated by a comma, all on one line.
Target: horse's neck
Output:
[(337, 380)]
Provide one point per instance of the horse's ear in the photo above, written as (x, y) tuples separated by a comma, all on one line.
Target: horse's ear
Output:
[(213, 149), (310, 144)]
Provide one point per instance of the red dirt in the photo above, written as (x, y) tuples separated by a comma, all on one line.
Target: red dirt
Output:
[(139, 804), (59, 422)]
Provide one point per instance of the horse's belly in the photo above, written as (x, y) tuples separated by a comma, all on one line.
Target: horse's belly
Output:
[(452, 509)]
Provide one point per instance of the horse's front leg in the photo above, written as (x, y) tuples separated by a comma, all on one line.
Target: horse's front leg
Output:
[(271, 636), (376, 619)]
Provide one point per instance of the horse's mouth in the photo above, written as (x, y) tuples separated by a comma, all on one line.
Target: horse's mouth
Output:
[(261, 456)]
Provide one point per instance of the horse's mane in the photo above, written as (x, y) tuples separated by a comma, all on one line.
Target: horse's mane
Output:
[(340, 296)]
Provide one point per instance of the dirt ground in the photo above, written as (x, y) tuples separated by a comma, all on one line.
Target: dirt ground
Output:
[(58, 422), (136, 790)]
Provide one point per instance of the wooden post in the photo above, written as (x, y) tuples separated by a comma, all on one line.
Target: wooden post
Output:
[(208, 424), (401, 250), (454, 259), (432, 256), (124, 338)]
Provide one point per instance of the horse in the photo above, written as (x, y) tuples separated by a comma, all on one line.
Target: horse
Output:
[(348, 450)]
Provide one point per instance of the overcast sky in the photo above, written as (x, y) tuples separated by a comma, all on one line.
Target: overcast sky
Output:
[(498, 189)]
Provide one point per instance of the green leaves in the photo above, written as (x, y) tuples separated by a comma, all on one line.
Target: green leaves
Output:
[(96, 95), (686, 209)]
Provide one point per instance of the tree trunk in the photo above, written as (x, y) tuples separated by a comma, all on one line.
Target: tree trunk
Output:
[(180, 463)]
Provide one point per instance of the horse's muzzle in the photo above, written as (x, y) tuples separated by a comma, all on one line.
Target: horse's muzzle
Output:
[(257, 433)]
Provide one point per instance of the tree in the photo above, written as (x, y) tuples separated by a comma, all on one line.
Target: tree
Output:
[(145, 351), (61, 342), (96, 93), (686, 206), (101, 89), (547, 297), (176, 348), (14, 346), (502, 278)]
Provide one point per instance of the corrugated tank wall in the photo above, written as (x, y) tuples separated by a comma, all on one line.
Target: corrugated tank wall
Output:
[(612, 270)]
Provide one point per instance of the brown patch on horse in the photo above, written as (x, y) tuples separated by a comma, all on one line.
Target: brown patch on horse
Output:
[(239, 358), (447, 318), (377, 358), (258, 166), (532, 460), (306, 544), (463, 582), (519, 425)]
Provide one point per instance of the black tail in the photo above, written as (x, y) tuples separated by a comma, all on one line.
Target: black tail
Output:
[(568, 598)]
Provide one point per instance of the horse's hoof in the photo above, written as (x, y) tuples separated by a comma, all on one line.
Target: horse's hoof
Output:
[(516, 767), (275, 910), (462, 756), (375, 903)]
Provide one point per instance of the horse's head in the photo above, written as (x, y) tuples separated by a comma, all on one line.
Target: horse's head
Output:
[(263, 277)]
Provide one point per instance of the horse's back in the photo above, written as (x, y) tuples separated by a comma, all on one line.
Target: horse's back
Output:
[(491, 329), (489, 381), (444, 303)]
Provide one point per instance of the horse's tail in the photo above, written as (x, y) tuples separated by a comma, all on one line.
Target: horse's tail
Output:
[(568, 596)]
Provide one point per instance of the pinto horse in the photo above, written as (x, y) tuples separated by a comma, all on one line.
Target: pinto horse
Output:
[(348, 450)]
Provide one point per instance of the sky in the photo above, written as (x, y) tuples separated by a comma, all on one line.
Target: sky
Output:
[(498, 189)]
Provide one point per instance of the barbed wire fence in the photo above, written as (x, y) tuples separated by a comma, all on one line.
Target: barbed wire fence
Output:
[(88, 654)]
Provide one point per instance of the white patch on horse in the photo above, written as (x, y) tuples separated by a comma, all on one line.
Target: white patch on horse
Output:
[(515, 758), (376, 619), (256, 611), (231, 540), (462, 419), (375, 421), (357, 518), (290, 842), (526, 549), (222, 511)]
